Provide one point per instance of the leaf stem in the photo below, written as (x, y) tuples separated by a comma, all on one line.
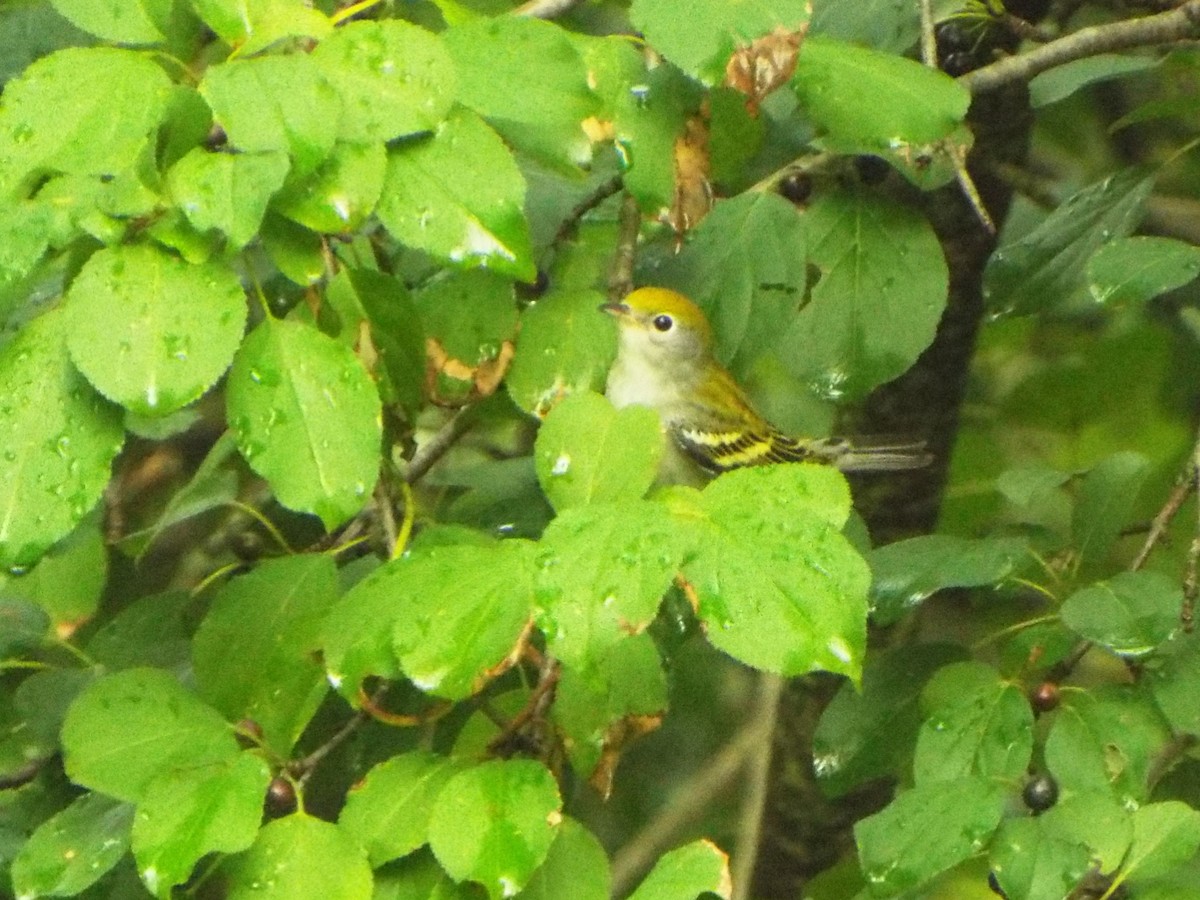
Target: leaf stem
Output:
[(1012, 629), (352, 10)]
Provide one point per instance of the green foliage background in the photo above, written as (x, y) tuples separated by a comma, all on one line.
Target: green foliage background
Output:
[(309, 498)]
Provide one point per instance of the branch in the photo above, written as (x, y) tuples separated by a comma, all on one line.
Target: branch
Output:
[(1176, 25), (758, 776), (435, 448), (687, 804), (620, 280)]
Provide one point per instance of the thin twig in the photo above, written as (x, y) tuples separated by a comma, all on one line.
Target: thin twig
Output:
[(686, 804), (1178, 24), (545, 9), (435, 448), (1183, 487), (928, 40), (602, 192), (758, 775), (620, 280), (387, 517)]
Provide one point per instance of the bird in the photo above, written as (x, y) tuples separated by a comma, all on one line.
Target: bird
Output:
[(665, 361)]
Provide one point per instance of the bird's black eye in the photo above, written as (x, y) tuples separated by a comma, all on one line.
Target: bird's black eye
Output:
[(663, 323)]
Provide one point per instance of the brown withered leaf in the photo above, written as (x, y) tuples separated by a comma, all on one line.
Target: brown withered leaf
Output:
[(620, 735), (693, 191), (480, 380), (764, 65)]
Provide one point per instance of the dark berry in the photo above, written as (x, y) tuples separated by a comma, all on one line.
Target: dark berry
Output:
[(796, 187), (871, 169), (1044, 697), (1040, 793), (959, 63), (952, 38), (281, 797)]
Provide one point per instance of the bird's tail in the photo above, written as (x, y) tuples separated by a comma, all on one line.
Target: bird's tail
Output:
[(872, 454)]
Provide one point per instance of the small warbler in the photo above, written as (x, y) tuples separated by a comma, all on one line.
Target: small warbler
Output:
[(665, 361)]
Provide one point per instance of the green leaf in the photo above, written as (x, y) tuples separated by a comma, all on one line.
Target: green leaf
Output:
[(73, 849), (1165, 835), (419, 877), (365, 296), (745, 266), (649, 109), (24, 236), (459, 196), (300, 858), (565, 346), (214, 484), (394, 79), (150, 331), (881, 293), (58, 437), (253, 25), (1044, 269), (298, 252), (1137, 269), (1131, 613), (127, 728), (151, 631), (1029, 862), (40, 704), (589, 452), (275, 104), (909, 571), (357, 636), (186, 814), (59, 115), (977, 724), (22, 626), (307, 418), (603, 571), (341, 194), (592, 703), (253, 653), (458, 613), (779, 586), (688, 871), (495, 823), (1106, 741), (870, 733), (702, 41), (1173, 673), (576, 867), (470, 316), (119, 21), (840, 86), (892, 26), (1062, 81), (69, 580), (227, 191), (388, 812), (1106, 499), (925, 831), (527, 79), (1094, 820)]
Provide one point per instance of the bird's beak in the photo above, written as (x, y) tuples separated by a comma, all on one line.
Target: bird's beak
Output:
[(614, 309)]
